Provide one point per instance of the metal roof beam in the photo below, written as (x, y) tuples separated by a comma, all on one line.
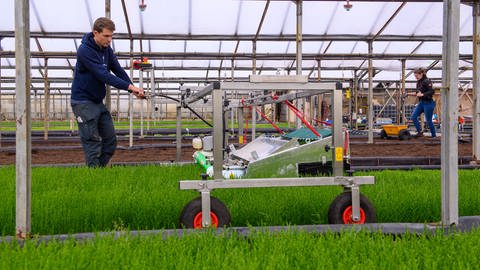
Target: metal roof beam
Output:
[(247, 56), (262, 37)]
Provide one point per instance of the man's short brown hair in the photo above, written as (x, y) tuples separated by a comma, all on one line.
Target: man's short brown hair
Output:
[(102, 23), (420, 70)]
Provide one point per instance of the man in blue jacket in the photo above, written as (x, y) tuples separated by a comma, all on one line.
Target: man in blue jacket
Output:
[(95, 62)]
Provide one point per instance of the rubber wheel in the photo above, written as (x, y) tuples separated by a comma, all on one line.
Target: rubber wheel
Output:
[(340, 211), (191, 216), (383, 134), (404, 134)]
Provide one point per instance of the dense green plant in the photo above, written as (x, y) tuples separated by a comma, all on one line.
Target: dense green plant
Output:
[(260, 250), (70, 200)]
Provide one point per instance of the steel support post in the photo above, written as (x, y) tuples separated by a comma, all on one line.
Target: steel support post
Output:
[(254, 58), (355, 96), (1, 115), (299, 30), (232, 122), (23, 120), (205, 195), (254, 123), (130, 100), (226, 113), (46, 100), (476, 82), (108, 96), (355, 189), (240, 112), (337, 132), (370, 93), (141, 104), (403, 97), (179, 134), (152, 93), (449, 148), (217, 132)]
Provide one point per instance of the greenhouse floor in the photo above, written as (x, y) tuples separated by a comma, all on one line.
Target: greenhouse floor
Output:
[(67, 150)]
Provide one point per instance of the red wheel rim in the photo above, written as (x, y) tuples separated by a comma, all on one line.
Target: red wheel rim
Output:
[(197, 220), (347, 216)]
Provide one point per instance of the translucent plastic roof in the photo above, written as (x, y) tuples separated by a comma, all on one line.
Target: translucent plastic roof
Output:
[(198, 38)]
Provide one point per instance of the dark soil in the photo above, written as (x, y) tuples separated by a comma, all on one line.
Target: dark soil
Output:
[(72, 152)]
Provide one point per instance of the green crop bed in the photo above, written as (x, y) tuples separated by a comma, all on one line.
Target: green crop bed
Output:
[(262, 250), (71, 200)]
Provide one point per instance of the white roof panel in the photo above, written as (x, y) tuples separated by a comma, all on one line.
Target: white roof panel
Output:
[(347, 22), (213, 17)]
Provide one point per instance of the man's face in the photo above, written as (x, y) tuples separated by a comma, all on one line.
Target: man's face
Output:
[(418, 76), (103, 38)]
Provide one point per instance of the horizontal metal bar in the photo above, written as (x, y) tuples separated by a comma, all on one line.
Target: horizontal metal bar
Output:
[(263, 37), (248, 86), (276, 182), (269, 100), (278, 78), (244, 56), (240, 68), (200, 94)]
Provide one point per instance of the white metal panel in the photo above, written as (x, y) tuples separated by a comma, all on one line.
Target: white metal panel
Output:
[(56, 45), (340, 47), (64, 73), (430, 47), (251, 13), (466, 47), (466, 21), (7, 62), (167, 45), (8, 44), (274, 19), (311, 46), (8, 14), (57, 62), (214, 16), (73, 15), (336, 74), (119, 18), (399, 47), (196, 63), (272, 46), (317, 16), (347, 22), (203, 46), (166, 17), (361, 47), (227, 46), (412, 16), (7, 72)]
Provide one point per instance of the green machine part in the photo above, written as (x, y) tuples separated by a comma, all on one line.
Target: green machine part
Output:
[(200, 159), (285, 163)]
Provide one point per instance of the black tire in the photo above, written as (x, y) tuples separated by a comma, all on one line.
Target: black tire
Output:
[(404, 134), (343, 203), (194, 208), (383, 134)]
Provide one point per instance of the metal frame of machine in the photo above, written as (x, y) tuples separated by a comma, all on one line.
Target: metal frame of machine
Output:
[(270, 83)]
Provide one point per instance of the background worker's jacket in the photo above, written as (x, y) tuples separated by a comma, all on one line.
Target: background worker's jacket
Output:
[(424, 85), (92, 72)]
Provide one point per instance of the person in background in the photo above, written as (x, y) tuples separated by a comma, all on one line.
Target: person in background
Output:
[(95, 62), (426, 103)]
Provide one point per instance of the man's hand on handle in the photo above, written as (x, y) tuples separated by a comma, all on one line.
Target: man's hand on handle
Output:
[(138, 92)]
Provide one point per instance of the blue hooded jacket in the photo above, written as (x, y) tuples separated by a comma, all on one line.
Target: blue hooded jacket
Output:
[(92, 72)]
